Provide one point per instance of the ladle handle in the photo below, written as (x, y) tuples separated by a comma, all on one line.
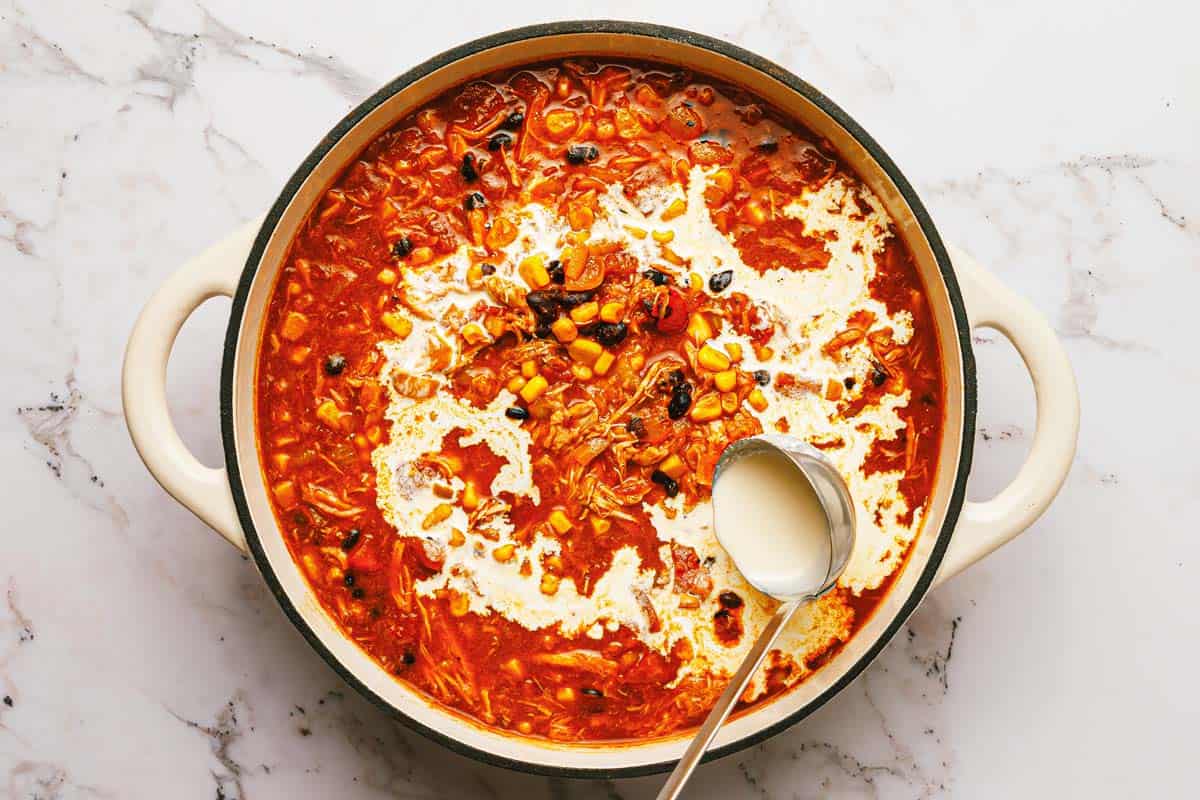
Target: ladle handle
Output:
[(720, 712)]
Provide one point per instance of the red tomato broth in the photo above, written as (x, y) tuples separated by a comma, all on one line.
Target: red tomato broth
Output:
[(405, 193)]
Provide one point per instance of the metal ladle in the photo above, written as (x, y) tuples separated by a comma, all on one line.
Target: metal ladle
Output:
[(834, 497)]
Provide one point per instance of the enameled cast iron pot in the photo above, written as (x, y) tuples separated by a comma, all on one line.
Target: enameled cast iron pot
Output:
[(234, 500)]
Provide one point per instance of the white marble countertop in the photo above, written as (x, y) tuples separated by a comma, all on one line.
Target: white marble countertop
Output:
[(141, 657)]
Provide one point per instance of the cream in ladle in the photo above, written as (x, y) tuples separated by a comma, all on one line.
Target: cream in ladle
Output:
[(771, 522), (784, 514)]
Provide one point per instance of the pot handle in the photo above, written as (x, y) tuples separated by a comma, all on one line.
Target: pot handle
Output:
[(203, 490), (983, 527)]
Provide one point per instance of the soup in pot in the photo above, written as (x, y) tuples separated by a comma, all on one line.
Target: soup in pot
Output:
[(506, 350)]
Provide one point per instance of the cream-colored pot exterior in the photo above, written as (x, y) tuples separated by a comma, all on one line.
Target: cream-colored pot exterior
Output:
[(244, 266)]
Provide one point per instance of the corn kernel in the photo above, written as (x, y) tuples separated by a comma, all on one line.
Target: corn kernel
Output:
[(706, 409), (673, 465), (582, 372), (549, 584), (723, 179), (757, 400), (474, 333), (763, 353), (698, 329), (529, 368), (285, 493), (441, 512), (584, 350), (712, 359), (475, 275), (457, 538), (580, 217), (603, 363), (524, 727), (495, 326), (753, 213), (677, 207), (397, 324), (735, 351), (330, 414), (696, 282), (729, 402), (294, 326), (421, 255), (564, 329), (559, 521), (585, 312), (281, 461), (637, 361), (534, 388), (726, 380), (386, 276), (515, 384), (637, 233), (443, 491), (564, 694), (612, 312), (662, 237), (459, 604), (689, 601), (470, 497), (600, 525), (299, 354), (554, 563), (533, 271), (504, 552)]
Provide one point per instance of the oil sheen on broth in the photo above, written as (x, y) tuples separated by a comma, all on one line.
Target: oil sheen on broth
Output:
[(769, 520)]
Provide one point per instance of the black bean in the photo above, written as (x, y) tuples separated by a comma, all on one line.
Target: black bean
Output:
[(468, 169), (927, 399), (358, 593), (730, 600), (709, 561), (720, 281), (487, 269), (879, 376), (572, 299), (676, 377), (762, 377), (681, 401), (636, 426), (334, 364), (352, 537), (656, 277), (500, 140), (516, 412), (582, 153), (542, 331), (408, 658), (610, 333), (590, 692), (670, 486), (402, 247), (767, 146), (722, 614), (557, 273), (473, 201), (348, 579), (545, 303), (514, 121)]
